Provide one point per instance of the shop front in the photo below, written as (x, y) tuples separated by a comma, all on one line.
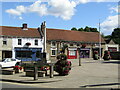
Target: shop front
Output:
[(28, 54), (72, 53), (84, 52)]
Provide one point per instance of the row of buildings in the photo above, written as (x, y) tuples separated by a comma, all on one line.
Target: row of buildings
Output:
[(28, 43)]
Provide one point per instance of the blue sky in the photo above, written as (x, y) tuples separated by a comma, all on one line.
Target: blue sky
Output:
[(61, 15)]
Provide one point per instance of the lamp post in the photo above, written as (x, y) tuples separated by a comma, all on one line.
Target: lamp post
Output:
[(99, 40)]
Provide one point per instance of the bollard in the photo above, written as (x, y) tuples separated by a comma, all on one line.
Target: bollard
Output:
[(51, 71), (79, 61), (35, 73)]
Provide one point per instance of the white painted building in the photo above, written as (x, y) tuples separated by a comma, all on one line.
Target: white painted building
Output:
[(26, 43)]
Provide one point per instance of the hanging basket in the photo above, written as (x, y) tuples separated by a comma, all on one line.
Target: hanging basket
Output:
[(28, 44)]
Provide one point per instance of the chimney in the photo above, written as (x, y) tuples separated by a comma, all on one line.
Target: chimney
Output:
[(24, 26)]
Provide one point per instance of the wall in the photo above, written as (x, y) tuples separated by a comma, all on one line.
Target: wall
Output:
[(7, 47), (24, 41)]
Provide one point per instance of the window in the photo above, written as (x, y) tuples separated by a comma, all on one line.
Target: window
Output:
[(53, 44), (23, 54), (72, 53), (53, 52), (38, 54), (4, 41), (71, 44), (19, 42), (78, 44), (36, 42)]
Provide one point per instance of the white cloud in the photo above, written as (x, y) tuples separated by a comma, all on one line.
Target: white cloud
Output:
[(20, 18), (114, 9), (13, 12), (64, 9), (58, 8), (109, 24)]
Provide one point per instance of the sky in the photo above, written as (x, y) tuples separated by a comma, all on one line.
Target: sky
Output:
[(61, 14)]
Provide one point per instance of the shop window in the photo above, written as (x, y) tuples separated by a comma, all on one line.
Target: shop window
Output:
[(38, 54), (19, 41), (72, 53), (53, 44), (23, 54), (53, 52), (36, 42)]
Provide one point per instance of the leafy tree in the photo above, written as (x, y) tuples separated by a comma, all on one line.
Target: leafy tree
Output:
[(108, 36), (93, 29), (116, 35), (74, 29), (87, 29), (80, 29)]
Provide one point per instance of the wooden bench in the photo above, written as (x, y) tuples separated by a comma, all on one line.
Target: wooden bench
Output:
[(30, 73), (8, 71)]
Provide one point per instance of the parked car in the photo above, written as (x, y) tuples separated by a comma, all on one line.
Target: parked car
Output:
[(9, 62)]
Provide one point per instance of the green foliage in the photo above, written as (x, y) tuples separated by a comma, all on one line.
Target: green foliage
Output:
[(62, 66), (64, 47), (62, 57), (86, 29), (80, 29), (116, 35), (108, 36), (74, 29)]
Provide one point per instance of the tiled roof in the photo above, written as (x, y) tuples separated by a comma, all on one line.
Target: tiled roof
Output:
[(68, 35), (17, 31), (52, 34)]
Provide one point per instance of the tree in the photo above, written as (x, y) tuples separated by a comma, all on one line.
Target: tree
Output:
[(87, 29), (74, 29), (93, 30), (116, 35), (80, 29), (108, 36)]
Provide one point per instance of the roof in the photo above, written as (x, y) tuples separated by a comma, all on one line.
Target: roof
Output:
[(109, 41), (69, 35), (17, 31), (52, 34)]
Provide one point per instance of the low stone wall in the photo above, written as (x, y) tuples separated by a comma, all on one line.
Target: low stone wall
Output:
[(30, 73), (8, 71)]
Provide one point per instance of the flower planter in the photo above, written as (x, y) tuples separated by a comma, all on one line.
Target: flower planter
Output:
[(18, 69)]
